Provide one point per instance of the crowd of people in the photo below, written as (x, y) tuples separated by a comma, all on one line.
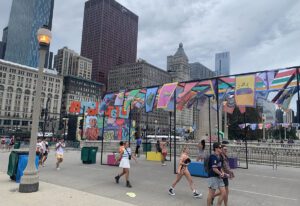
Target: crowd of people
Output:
[(218, 169), (219, 172)]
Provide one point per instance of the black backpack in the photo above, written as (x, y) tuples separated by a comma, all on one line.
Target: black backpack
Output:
[(206, 163)]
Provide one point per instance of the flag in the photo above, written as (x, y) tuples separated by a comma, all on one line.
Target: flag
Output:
[(74, 107), (267, 78), (107, 99), (287, 83), (165, 94), (120, 98), (245, 90), (130, 97), (150, 98)]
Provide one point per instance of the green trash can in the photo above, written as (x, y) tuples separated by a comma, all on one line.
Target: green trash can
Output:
[(147, 147), (17, 145), (93, 154), (85, 155)]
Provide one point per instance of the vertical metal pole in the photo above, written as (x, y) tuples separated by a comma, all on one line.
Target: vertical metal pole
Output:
[(175, 131), (209, 125), (298, 100), (146, 133), (83, 112), (245, 138), (129, 125), (170, 139), (65, 125), (218, 108), (102, 141)]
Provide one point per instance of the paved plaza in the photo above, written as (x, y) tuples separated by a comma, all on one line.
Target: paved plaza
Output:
[(78, 184)]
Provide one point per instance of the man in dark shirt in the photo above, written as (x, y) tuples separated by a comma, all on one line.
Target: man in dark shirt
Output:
[(215, 175)]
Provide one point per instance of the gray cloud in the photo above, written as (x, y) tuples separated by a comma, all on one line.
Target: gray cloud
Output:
[(259, 34)]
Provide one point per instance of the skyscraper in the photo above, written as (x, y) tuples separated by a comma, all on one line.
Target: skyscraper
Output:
[(26, 17), (3, 43), (109, 36), (222, 63)]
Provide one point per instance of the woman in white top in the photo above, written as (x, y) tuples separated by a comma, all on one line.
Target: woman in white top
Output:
[(125, 157), (59, 152)]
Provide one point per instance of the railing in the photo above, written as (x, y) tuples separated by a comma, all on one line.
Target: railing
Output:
[(273, 155)]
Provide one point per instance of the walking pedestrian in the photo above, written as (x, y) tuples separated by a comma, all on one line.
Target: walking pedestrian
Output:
[(125, 157), (201, 153), (45, 150), (39, 150), (164, 151), (228, 172), (215, 175), (183, 171), (59, 147), (138, 144)]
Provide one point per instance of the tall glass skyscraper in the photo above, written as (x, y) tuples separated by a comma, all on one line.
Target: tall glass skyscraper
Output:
[(222, 63), (26, 17)]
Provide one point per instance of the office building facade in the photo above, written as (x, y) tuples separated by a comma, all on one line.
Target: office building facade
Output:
[(68, 62), (17, 93), (141, 75), (79, 89), (109, 36), (26, 17), (179, 69), (222, 63), (199, 71)]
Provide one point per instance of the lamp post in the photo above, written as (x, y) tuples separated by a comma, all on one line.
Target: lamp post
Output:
[(65, 126), (30, 179), (155, 121)]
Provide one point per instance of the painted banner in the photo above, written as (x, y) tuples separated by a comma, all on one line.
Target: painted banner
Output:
[(75, 107), (130, 97), (120, 98), (165, 94), (91, 131), (150, 99), (245, 90), (107, 99)]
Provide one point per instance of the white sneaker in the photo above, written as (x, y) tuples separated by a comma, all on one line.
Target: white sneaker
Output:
[(197, 195), (171, 191), (58, 168)]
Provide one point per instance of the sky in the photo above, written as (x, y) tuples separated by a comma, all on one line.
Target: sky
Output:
[(259, 34)]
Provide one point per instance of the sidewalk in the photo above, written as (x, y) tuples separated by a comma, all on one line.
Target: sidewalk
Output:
[(48, 195)]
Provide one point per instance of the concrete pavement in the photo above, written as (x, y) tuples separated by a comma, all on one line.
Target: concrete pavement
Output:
[(49, 195), (259, 185)]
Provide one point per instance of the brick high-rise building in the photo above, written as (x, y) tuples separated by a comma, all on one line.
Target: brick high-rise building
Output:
[(109, 36)]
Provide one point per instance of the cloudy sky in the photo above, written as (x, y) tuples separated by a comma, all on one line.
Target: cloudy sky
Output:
[(259, 34)]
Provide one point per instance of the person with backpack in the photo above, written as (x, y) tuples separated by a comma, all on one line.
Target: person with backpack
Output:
[(184, 171), (216, 175)]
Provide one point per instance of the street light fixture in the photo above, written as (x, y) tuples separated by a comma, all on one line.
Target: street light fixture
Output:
[(155, 121), (30, 179)]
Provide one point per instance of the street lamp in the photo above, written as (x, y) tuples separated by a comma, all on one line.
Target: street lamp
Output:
[(155, 121), (65, 126), (30, 179)]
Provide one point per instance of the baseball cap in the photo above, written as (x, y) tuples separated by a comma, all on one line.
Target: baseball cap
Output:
[(216, 145)]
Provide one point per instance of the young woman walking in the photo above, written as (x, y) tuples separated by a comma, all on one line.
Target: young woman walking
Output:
[(125, 157), (201, 153), (183, 171)]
